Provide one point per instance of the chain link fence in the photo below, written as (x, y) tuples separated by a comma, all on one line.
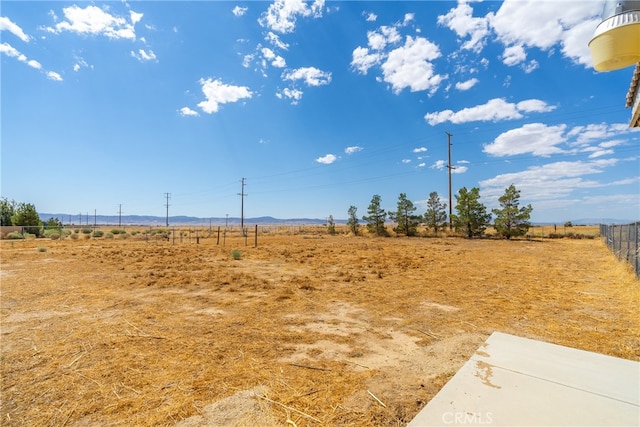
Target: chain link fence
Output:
[(623, 242)]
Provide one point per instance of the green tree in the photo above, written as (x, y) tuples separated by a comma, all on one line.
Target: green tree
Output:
[(511, 219), (472, 217), (7, 209), (375, 219), (436, 214), (53, 223), (405, 216), (27, 216), (352, 221), (331, 225)]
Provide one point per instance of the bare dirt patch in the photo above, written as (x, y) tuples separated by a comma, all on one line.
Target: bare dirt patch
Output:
[(330, 330)]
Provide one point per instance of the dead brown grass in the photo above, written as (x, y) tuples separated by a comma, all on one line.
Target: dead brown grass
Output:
[(332, 329)]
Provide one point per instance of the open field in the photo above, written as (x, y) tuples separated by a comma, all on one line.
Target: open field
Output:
[(311, 329)]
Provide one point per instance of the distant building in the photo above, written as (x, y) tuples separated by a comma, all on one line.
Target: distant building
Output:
[(633, 98)]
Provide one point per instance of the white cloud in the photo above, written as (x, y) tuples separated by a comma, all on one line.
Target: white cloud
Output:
[(295, 95), (537, 139), (96, 21), (531, 23), (363, 60), (276, 60), (408, 17), (548, 181), (353, 149), (52, 75), (466, 85), (457, 169), (281, 16), (371, 17), (406, 161), (80, 64), (523, 24), (420, 150), (514, 55), (135, 17), (382, 37), (460, 20), (10, 51), (7, 25), (275, 41), (188, 112), (327, 160), (239, 11), (143, 55), (494, 110), (409, 67), (421, 165), (34, 64), (217, 93), (309, 75), (439, 165)]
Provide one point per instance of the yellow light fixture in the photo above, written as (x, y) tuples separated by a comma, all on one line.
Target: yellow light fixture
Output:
[(616, 42)]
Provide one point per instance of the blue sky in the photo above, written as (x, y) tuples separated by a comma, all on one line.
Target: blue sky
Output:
[(318, 105)]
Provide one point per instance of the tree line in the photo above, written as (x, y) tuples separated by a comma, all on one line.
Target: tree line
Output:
[(471, 217), (25, 215)]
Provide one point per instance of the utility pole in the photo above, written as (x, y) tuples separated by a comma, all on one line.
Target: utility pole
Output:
[(242, 196), (120, 216), (450, 167), (95, 216), (168, 196)]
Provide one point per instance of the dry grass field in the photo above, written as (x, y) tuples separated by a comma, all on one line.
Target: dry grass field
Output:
[(306, 330)]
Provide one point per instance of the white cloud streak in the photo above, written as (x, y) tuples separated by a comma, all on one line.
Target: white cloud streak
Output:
[(7, 25), (495, 110)]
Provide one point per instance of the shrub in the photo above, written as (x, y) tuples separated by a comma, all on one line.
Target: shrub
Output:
[(117, 231), (76, 231), (236, 254), (86, 230), (54, 236), (74, 236), (65, 233), (42, 249), (108, 236), (98, 233), (14, 235), (48, 232)]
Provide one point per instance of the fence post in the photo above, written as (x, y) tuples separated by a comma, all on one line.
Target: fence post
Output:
[(255, 243)]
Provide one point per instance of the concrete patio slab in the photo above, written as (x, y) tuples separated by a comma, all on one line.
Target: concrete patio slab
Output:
[(514, 381)]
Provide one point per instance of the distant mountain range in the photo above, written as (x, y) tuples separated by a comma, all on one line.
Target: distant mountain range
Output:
[(159, 221)]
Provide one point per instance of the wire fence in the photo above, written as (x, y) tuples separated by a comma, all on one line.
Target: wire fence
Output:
[(623, 240)]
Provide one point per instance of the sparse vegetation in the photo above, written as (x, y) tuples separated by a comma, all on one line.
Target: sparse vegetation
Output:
[(98, 233), (236, 254), (15, 235)]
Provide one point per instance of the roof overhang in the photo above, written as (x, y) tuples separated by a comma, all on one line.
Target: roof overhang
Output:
[(633, 98)]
